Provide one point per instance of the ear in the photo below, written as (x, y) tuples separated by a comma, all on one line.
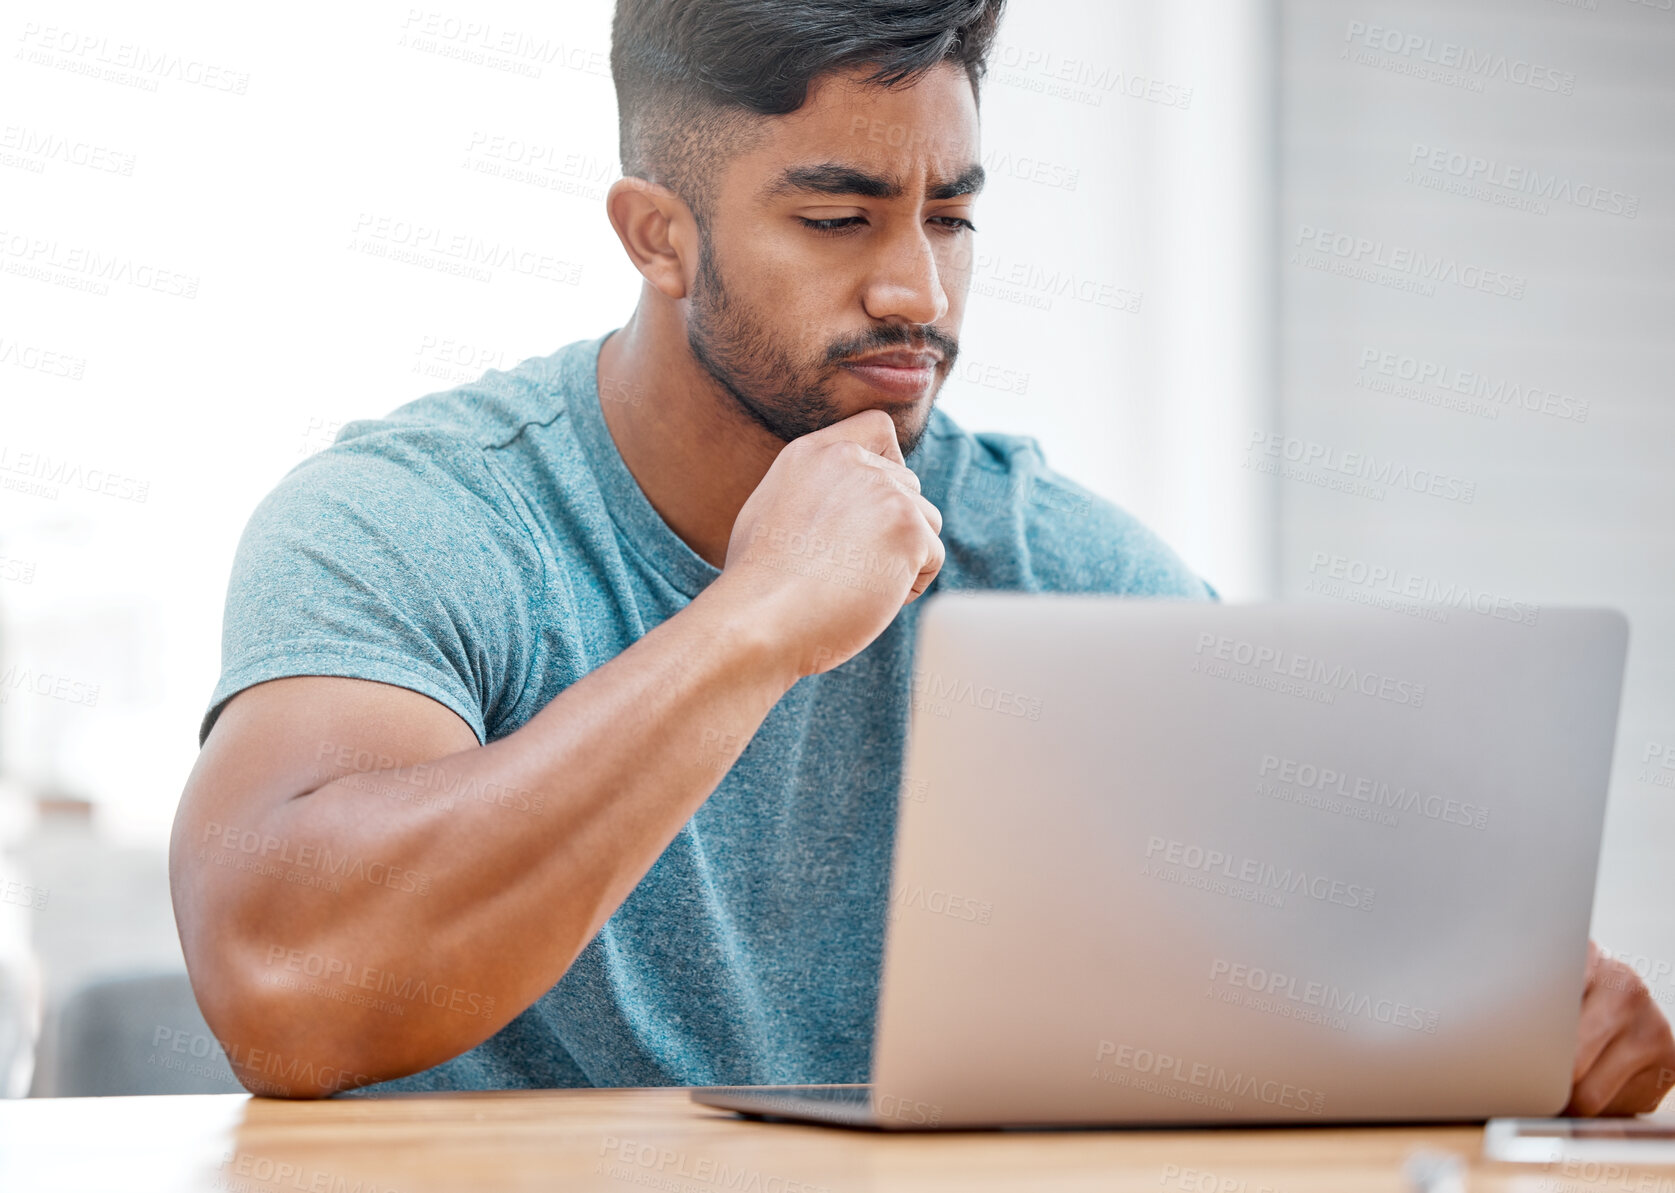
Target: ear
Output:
[(657, 231)]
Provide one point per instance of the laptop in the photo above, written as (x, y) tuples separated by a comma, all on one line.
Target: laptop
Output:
[(1185, 863)]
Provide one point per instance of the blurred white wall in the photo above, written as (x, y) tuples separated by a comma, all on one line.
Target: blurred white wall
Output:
[(1477, 280)]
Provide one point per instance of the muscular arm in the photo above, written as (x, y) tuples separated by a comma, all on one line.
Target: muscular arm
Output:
[(485, 904)]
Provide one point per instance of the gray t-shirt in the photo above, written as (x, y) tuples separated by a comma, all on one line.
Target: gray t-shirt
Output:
[(488, 547)]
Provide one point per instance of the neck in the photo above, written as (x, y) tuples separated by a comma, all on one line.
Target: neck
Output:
[(695, 455)]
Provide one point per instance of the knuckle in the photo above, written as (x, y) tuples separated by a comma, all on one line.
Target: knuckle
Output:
[(898, 514), (1620, 978), (909, 503)]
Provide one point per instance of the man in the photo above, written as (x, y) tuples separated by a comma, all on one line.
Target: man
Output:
[(561, 714)]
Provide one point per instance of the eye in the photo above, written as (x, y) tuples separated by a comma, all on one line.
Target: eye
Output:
[(832, 227), (955, 223)]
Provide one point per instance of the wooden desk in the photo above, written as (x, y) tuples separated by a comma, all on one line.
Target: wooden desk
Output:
[(629, 1140)]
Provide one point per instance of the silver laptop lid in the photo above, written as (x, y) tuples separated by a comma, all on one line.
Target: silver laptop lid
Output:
[(1165, 861)]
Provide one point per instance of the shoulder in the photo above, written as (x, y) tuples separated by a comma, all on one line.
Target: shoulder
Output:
[(433, 458), (488, 413), (1011, 521), (421, 489)]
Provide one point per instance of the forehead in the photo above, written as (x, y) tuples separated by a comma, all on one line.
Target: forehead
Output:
[(926, 132)]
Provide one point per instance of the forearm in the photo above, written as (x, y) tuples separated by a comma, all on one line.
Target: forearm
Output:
[(484, 873)]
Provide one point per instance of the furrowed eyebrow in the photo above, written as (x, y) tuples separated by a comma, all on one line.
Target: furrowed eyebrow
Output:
[(970, 182), (830, 178)]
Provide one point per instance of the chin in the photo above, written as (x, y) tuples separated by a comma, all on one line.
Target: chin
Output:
[(911, 415), (911, 419)]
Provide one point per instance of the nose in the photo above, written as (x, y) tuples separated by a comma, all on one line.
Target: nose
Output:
[(906, 284)]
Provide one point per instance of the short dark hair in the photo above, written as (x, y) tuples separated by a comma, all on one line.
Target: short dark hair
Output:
[(690, 73)]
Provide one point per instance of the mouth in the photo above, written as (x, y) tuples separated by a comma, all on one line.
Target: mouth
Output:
[(901, 374)]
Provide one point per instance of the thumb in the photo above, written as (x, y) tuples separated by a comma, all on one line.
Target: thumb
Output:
[(872, 429)]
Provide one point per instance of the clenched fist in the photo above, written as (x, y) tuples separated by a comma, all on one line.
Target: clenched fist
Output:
[(834, 541)]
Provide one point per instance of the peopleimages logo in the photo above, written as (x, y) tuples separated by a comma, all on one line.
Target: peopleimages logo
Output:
[(940, 902), (249, 1061), (1411, 585), (1372, 474), (35, 359), (1290, 665), (39, 147), (1451, 55), (1659, 765), (1326, 781), (935, 693), (1363, 252), (482, 44), (1526, 182), (1322, 995), (123, 62), (452, 251), (332, 972), (52, 472), (19, 678), (1079, 79), (1033, 284), (1495, 392), (1212, 1079), (81, 268), (22, 894), (266, 854), (1253, 872)]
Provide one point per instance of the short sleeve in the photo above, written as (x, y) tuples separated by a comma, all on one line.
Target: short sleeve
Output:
[(396, 556)]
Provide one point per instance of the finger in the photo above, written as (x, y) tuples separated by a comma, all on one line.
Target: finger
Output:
[(1594, 1034), (933, 565), (903, 476), (905, 479), (872, 429), (1643, 1092), (1603, 1016), (932, 514), (1638, 1052), (1621, 1080)]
